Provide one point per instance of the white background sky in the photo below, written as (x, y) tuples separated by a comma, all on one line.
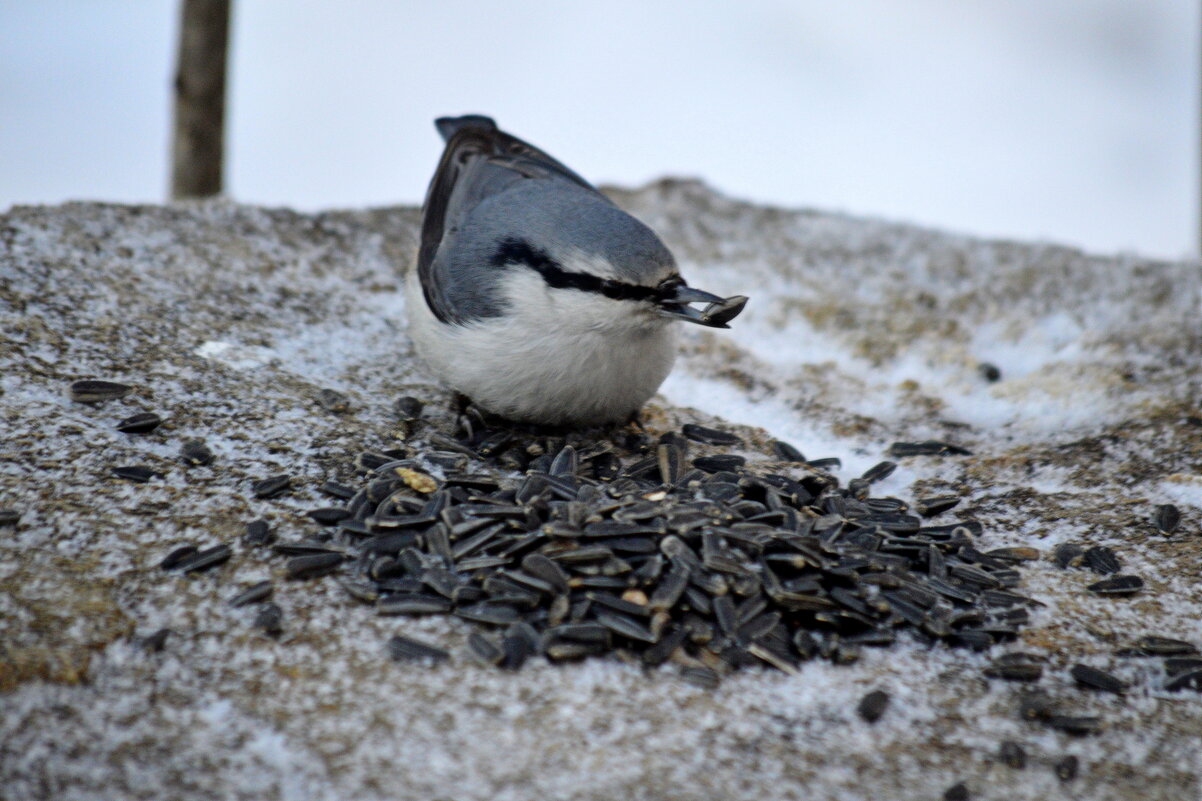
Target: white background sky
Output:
[(1070, 120)]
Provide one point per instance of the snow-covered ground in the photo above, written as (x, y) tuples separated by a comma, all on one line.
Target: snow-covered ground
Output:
[(227, 319)]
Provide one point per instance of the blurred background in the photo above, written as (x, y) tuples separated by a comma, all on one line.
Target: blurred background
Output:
[(1075, 121)]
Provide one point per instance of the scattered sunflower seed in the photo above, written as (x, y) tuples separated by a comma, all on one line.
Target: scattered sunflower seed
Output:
[(205, 559), (95, 391), (253, 594), (9, 517), (990, 372), (1167, 518), (872, 705), (175, 557), (270, 619), (328, 515), (957, 792), (709, 436), (405, 649), (1155, 645), (137, 472), (1074, 724), (313, 565), (1101, 559), (786, 452), (140, 423), (929, 507), (879, 471), (271, 487), (1117, 586), (333, 401), (408, 408), (1066, 768), (258, 533), (1096, 679), (928, 448), (1012, 755), (157, 641), (1190, 680), (195, 452)]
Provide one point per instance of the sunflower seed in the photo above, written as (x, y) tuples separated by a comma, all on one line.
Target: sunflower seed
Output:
[(1155, 645), (205, 559), (989, 372), (407, 408), (879, 472), (928, 448), (270, 619), (313, 565), (195, 452), (929, 507), (176, 557), (9, 517), (872, 705), (702, 677), (1167, 518), (405, 649), (1096, 679), (1012, 755), (1074, 724), (957, 792), (333, 401), (1066, 768), (1191, 680), (1068, 554), (271, 487), (1101, 559), (1117, 586), (140, 423), (258, 533), (95, 391), (709, 436), (137, 473), (785, 452), (1177, 666), (719, 313), (413, 604), (253, 594)]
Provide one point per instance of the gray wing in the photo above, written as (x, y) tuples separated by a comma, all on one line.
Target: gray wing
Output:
[(479, 162)]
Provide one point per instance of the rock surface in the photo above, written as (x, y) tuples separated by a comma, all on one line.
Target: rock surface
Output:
[(228, 321)]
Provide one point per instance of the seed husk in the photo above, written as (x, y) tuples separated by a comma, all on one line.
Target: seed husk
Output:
[(873, 705), (406, 649), (140, 423), (1067, 554), (253, 594), (195, 452), (96, 391), (138, 473), (703, 677), (271, 487), (1167, 518), (417, 480), (1117, 586), (206, 559), (1096, 679)]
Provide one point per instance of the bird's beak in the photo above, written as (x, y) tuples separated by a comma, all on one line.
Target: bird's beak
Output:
[(675, 298)]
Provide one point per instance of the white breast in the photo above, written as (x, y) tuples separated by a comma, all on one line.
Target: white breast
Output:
[(556, 357)]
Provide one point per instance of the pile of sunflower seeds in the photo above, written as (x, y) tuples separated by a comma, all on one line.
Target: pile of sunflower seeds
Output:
[(639, 547)]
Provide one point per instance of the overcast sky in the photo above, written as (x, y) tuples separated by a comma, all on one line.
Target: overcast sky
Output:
[(1070, 120)]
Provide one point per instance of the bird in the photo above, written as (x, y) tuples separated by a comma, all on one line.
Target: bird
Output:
[(534, 295)]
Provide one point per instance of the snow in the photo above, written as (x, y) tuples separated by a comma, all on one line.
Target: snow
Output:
[(228, 319)]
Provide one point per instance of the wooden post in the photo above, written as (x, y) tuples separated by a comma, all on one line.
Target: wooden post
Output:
[(197, 146)]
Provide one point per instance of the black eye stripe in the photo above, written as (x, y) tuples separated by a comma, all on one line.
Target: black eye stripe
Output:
[(519, 251)]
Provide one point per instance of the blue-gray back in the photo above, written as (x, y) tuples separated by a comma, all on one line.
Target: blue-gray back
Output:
[(491, 188)]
